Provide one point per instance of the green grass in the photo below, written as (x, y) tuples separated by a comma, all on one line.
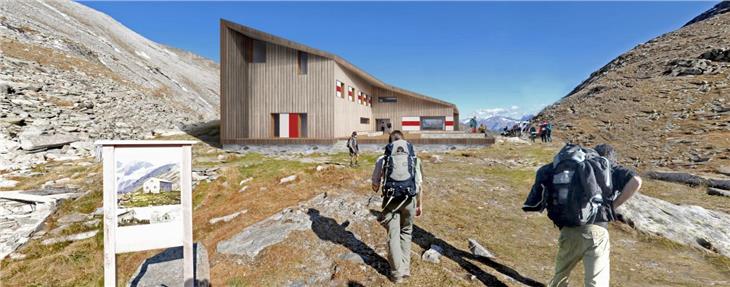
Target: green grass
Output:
[(141, 199)]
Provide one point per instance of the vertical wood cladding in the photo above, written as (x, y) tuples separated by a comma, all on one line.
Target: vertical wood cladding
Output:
[(253, 91), (406, 106), (348, 113)]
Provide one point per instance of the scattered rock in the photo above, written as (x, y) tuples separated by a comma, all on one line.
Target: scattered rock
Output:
[(245, 181), (718, 192), (288, 179), (352, 257), (433, 254), (73, 237), (7, 183), (73, 218), (227, 218), (479, 250), (17, 256)]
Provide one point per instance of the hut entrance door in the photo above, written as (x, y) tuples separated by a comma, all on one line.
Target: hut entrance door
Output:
[(383, 125)]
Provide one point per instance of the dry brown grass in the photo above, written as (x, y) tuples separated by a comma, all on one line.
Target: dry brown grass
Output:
[(465, 198)]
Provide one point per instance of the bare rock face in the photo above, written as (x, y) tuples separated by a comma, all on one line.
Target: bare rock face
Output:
[(69, 73), (685, 224), (166, 268)]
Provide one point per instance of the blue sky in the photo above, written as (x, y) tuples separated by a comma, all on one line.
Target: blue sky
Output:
[(491, 56)]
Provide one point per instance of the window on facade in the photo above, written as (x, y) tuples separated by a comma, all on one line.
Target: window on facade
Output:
[(302, 61), (290, 125), (387, 100), (432, 123), (365, 121), (259, 52)]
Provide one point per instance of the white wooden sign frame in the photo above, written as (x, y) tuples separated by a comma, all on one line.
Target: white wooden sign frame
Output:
[(149, 236)]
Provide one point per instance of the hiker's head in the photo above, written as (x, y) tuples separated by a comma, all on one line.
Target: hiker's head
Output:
[(395, 135), (607, 151), (354, 134)]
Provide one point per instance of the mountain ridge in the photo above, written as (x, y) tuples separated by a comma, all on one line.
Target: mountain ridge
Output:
[(663, 104)]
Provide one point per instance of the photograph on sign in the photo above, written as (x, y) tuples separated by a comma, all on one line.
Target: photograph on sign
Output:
[(147, 185)]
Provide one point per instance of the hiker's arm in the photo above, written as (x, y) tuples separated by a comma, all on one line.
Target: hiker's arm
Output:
[(377, 174), (630, 188), (419, 185)]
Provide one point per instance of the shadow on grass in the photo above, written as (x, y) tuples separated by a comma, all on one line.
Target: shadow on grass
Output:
[(328, 229), (425, 239)]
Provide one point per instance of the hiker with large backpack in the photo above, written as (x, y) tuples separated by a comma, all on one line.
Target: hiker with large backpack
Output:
[(580, 190), (354, 149), (397, 175)]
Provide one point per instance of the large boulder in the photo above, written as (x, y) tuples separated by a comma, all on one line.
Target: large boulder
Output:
[(41, 142), (166, 268), (685, 224)]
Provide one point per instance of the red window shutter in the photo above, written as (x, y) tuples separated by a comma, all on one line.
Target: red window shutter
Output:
[(293, 125)]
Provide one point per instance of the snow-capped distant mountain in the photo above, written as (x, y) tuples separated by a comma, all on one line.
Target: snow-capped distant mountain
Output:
[(496, 119), (134, 174), (495, 123)]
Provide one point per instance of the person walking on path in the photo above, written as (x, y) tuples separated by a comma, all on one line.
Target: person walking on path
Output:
[(397, 174), (354, 149), (580, 190)]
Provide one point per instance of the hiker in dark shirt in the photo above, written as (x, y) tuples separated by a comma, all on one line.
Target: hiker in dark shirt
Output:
[(589, 242)]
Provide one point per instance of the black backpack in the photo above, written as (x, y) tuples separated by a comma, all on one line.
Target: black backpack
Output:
[(579, 188), (399, 170)]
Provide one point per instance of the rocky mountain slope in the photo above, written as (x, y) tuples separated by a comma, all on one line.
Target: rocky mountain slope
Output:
[(664, 103), (69, 73)]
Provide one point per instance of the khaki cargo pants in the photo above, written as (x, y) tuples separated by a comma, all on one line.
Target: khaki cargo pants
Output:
[(400, 230), (589, 243)]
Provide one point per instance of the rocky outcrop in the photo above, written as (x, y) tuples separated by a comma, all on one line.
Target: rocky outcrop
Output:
[(662, 104), (684, 224), (23, 213), (166, 268), (70, 74), (275, 229)]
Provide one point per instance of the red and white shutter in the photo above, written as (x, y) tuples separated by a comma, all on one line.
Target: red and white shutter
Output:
[(351, 93), (411, 123), (449, 123), (339, 89), (289, 125)]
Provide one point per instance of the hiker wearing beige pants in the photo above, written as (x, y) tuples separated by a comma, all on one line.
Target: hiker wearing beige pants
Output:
[(398, 211), (589, 243), (400, 229)]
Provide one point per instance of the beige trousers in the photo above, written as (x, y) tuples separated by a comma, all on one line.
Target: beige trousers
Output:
[(399, 223), (589, 243)]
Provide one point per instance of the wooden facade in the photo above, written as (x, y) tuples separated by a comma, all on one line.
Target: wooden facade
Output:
[(255, 89)]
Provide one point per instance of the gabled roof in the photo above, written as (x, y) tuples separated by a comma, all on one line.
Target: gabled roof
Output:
[(263, 36)]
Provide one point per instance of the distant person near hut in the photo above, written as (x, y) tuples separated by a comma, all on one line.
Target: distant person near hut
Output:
[(533, 133), (549, 131), (473, 124), (354, 149)]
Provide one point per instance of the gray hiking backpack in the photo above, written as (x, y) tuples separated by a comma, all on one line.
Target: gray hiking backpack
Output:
[(580, 186), (400, 170)]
